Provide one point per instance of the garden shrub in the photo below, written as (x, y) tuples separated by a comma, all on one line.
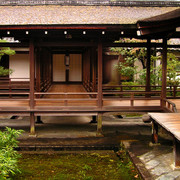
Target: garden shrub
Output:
[(8, 155)]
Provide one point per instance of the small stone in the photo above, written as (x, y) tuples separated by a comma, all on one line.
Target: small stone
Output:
[(146, 118)]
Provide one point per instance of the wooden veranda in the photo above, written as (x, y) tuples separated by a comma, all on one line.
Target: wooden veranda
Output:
[(39, 94)]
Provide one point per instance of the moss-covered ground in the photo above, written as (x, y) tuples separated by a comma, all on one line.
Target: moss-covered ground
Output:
[(77, 166)]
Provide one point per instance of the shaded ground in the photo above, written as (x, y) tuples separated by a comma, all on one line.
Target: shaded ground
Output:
[(76, 133)]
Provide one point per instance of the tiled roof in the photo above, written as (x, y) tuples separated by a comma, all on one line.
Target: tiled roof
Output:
[(67, 15), (93, 2)]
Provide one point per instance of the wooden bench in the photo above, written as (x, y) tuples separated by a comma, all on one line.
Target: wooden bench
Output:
[(171, 123)]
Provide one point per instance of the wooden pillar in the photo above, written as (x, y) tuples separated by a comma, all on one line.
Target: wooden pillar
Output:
[(100, 75), (32, 74), (94, 64), (177, 153), (148, 68), (99, 124), (154, 132), (164, 72), (31, 96), (93, 119), (38, 74)]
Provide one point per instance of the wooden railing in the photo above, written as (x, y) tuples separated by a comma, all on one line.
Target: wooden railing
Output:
[(170, 105), (89, 85), (45, 85), (64, 99), (14, 86), (171, 90), (130, 96)]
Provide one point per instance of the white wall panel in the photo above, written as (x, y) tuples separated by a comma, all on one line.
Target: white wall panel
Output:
[(19, 63)]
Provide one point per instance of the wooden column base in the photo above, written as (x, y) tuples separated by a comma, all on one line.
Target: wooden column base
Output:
[(32, 124), (154, 132), (99, 125), (176, 153)]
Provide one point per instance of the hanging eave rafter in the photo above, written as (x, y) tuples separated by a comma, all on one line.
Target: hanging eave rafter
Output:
[(160, 25)]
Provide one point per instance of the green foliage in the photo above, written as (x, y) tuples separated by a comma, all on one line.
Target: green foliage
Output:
[(81, 166), (8, 156), (131, 55), (5, 72), (129, 84), (5, 51)]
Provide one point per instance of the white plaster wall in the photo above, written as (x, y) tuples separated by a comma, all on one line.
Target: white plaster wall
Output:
[(19, 63)]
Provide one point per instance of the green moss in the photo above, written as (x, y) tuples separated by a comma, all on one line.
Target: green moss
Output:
[(89, 166)]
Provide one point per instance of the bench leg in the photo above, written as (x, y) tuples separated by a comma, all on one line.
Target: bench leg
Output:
[(154, 132), (176, 153)]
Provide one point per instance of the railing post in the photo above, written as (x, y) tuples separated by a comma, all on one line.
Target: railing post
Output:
[(10, 88), (132, 99)]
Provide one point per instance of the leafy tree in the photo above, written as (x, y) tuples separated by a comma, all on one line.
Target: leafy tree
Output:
[(131, 55), (9, 156), (5, 51)]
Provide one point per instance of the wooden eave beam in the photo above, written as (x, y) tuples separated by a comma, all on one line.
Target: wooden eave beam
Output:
[(85, 44), (66, 44), (138, 45), (70, 27), (14, 44)]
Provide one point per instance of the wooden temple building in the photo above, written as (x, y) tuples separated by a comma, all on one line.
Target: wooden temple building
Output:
[(60, 62)]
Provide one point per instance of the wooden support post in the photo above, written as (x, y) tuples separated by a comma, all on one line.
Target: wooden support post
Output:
[(100, 95), (177, 153), (32, 124), (154, 132), (164, 72), (132, 99), (148, 68), (38, 75), (39, 121), (99, 125), (32, 74), (93, 119), (94, 69)]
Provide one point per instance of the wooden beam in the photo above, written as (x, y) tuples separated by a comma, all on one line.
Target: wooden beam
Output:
[(164, 72), (66, 44), (7, 44), (177, 153), (148, 67), (143, 44), (32, 74), (100, 77)]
